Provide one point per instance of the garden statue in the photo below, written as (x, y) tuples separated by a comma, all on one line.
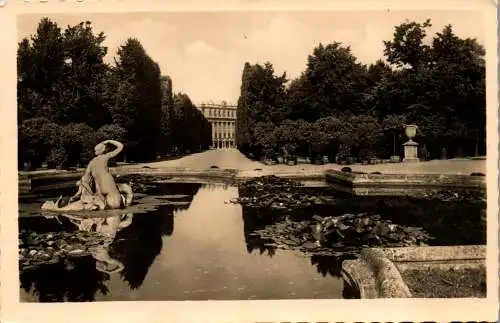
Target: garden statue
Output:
[(107, 195)]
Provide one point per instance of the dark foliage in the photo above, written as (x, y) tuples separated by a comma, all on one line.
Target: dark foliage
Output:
[(69, 99), (347, 111)]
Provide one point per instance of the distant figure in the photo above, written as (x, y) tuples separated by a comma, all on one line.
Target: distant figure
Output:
[(104, 182)]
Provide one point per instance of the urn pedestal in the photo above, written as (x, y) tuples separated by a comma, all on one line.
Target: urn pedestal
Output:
[(411, 152)]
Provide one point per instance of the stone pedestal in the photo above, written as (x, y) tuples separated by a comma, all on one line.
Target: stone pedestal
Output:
[(411, 152)]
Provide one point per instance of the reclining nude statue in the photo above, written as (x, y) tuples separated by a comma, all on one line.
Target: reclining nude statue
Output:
[(107, 195)]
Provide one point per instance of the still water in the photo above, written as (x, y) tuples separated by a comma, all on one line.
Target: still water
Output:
[(201, 249)]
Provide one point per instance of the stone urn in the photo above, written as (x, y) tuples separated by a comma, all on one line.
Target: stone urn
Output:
[(411, 147), (411, 131)]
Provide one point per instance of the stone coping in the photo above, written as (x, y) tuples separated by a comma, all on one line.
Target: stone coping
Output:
[(359, 178), (434, 253), (376, 273), (46, 181), (357, 183), (401, 184)]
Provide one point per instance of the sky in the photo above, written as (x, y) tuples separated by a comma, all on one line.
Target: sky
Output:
[(204, 52)]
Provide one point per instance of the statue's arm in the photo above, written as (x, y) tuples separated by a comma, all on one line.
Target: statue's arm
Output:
[(85, 181), (118, 145)]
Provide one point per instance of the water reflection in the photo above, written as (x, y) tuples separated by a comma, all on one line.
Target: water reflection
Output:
[(109, 227), (75, 280), (138, 245), (328, 265), (254, 220), (134, 243), (325, 265)]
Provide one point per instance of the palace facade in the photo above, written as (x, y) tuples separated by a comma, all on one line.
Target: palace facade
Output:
[(222, 117)]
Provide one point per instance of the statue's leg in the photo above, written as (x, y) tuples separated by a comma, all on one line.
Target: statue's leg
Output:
[(126, 190), (113, 201), (100, 201)]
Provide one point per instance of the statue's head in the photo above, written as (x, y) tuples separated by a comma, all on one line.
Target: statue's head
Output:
[(99, 149), (105, 263)]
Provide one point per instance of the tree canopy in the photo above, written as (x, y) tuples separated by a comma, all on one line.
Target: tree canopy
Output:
[(435, 81), (65, 86)]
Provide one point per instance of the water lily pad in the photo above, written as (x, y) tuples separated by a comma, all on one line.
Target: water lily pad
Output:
[(65, 244)]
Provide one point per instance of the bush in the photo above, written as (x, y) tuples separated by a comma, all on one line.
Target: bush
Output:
[(58, 158), (36, 139), (110, 131), (343, 154), (40, 140), (78, 142)]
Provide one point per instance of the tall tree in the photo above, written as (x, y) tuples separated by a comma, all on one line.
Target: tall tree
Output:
[(40, 63), (137, 101), (80, 96), (440, 87), (407, 48), (337, 81), (242, 127), (298, 100), (61, 75), (27, 97), (261, 101), (167, 105), (460, 66), (191, 131)]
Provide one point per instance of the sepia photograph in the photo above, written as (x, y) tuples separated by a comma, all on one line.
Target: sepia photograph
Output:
[(252, 155)]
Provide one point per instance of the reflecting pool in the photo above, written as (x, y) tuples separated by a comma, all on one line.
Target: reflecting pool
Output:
[(198, 247)]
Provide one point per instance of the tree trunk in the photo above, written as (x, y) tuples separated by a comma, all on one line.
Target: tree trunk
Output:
[(394, 146)]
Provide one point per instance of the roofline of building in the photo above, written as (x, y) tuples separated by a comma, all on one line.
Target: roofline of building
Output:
[(215, 105)]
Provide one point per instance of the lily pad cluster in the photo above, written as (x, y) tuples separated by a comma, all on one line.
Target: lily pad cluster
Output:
[(459, 196), (282, 201), (266, 183), (337, 235), (37, 249), (275, 193)]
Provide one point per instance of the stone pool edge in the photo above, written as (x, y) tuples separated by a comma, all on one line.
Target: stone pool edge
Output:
[(377, 272), (411, 184), (360, 184), (39, 182)]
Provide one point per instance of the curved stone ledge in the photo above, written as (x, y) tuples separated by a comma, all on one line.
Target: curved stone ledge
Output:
[(359, 276), (390, 284), (377, 272), (375, 276)]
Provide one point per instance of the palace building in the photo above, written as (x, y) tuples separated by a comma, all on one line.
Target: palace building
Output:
[(222, 117)]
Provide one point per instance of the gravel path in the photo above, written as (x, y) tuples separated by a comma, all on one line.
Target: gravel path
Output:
[(233, 159)]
